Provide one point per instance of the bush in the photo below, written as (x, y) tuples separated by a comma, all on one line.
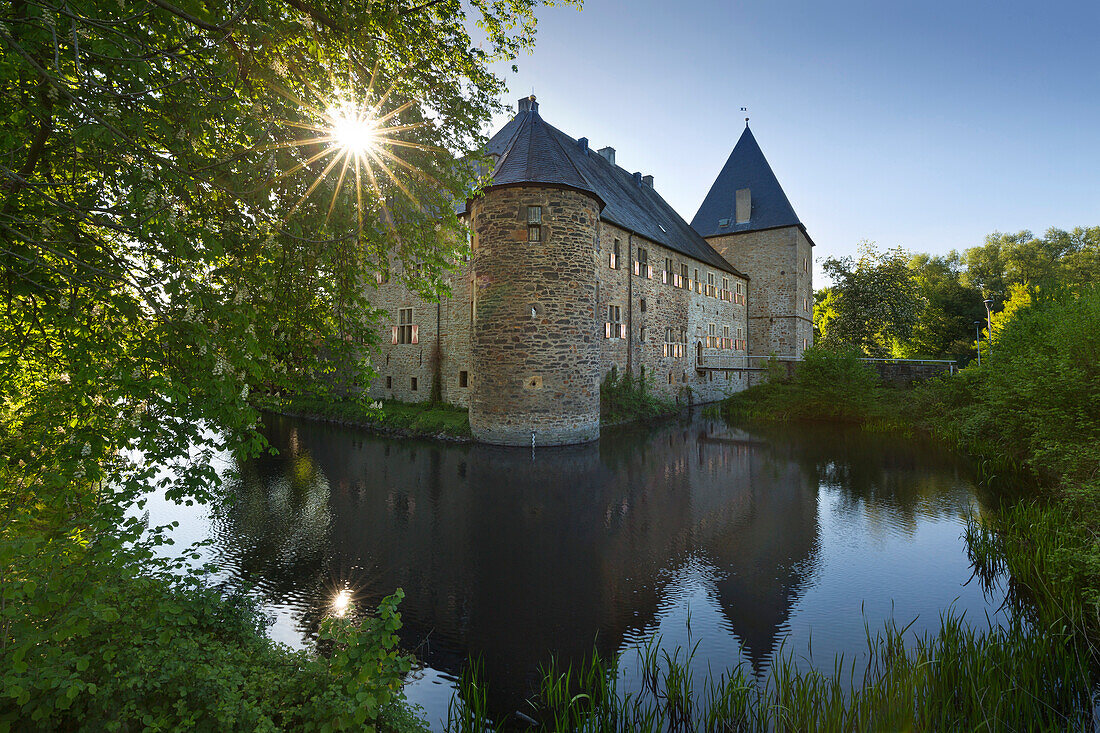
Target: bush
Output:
[(830, 384), (95, 641), (628, 398), (1035, 400)]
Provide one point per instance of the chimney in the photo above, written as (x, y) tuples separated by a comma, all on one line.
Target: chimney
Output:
[(528, 104), (583, 143), (648, 180), (608, 154), (744, 205), (637, 178)]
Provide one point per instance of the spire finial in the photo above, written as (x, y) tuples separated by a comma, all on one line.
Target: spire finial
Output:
[(746, 109)]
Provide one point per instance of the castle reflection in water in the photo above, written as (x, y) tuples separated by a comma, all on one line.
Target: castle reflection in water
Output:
[(513, 556)]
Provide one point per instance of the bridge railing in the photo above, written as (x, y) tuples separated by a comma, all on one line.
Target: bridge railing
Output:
[(747, 361)]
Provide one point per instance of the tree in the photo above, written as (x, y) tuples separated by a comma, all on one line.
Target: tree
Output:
[(874, 302), (195, 199), (944, 327), (181, 220)]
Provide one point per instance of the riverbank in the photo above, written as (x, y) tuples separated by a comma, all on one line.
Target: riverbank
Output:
[(386, 417)]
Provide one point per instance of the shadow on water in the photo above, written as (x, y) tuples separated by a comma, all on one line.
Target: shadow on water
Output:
[(760, 536)]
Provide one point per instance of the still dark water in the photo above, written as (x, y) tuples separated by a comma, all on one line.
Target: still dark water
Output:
[(752, 541)]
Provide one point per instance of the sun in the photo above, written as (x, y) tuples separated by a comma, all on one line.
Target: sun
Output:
[(360, 135), (352, 131)]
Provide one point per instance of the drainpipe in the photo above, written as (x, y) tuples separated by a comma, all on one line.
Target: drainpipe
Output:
[(629, 305)]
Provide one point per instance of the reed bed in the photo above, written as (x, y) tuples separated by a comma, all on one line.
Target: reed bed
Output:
[(998, 677)]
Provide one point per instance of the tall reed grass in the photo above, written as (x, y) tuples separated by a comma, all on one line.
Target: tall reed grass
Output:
[(998, 677)]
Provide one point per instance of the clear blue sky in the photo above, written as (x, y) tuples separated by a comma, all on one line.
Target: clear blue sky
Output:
[(921, 124)]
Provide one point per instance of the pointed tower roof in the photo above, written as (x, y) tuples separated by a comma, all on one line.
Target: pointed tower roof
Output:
[(746, 168), (534, 154)]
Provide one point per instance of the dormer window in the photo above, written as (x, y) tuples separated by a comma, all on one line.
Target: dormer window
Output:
[(534, 223)]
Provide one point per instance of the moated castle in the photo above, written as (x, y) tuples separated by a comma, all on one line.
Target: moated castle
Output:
[(579, 266)]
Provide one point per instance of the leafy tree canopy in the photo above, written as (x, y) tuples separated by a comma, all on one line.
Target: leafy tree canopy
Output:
[(179, 225), (874, 302)]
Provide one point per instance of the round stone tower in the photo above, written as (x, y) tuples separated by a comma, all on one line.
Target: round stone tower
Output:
[(535, 353)]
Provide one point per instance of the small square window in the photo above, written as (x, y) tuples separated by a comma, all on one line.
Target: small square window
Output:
[(463, 379), (414, 384)]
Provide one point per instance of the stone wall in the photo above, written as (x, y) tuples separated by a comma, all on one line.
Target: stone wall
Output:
[(902, 374), (535, 357), (779, 263), (666, 305), (398, 365)]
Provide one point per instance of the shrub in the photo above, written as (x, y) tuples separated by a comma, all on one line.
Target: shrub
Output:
[(830, 384), (627, 398), (95, 640)]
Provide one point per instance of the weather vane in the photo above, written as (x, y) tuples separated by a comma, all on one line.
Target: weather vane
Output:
[(746, 109)]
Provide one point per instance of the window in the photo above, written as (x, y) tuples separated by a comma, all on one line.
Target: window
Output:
[(406, 332), (413, 384), (641, 265), (614, 328), (641, 305), (613, 258), (641, 335), (684, 281), (671, 346), (389, 382), (666, 278), (712, 336), (727, 342), (534, 223), (698, 285), (725, 288), (740, 297), (805, 344), (710, 284), (463, 379)]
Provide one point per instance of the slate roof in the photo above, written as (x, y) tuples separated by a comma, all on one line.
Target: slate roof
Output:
[(532, 151), (746, 168)]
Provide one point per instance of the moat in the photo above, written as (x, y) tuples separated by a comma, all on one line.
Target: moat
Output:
[(756, 539)]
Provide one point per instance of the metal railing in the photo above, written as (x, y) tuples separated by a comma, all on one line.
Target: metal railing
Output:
[(746, 361)]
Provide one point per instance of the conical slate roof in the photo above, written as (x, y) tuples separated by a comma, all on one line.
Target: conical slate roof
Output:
[(533, 154), (533, 151), (746, 168)]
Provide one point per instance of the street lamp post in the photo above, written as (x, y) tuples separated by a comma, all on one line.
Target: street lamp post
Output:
[(978, 337), (988, 317)]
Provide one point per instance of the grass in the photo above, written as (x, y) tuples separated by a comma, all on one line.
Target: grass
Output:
[(417, 419), (998, 678)]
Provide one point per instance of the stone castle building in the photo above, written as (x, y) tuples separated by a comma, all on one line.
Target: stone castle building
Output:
[(578, 266)]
